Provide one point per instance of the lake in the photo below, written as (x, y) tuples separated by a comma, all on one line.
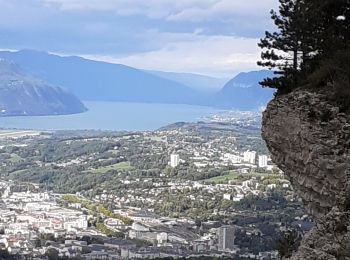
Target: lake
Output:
[(113, 116)]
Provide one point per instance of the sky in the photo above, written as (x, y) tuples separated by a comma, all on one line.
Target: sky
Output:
[(212, 37)]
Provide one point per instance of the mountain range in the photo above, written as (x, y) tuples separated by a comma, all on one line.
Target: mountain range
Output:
[(244, 92), (198, 82), (95, 80), (22, 94)]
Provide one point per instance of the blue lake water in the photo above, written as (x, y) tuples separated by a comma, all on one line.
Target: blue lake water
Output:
[(113, 116)]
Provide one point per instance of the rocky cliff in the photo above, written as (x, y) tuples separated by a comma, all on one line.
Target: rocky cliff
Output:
[(309, 139)]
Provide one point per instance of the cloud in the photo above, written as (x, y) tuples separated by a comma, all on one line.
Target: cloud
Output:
[(226, 9), (246, 18), (205, 36), (179, 10), (210, 55), (151, 8)]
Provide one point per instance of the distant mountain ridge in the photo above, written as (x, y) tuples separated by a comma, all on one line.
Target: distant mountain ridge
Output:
[(101, 81), (93, 80), (22, 94), (198, 82), (244, 92)]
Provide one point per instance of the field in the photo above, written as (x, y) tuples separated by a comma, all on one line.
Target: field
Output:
[(224, 178), (157, 139), (123, 166), (17, 133)]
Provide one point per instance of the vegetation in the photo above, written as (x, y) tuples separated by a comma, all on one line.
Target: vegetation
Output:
[(224, 178), (70, 163), (122, 166), (234, 177), (275, 200), (108, 232), (288, 243), (96, 208), (15, 158), (310, 47), (139, 176)]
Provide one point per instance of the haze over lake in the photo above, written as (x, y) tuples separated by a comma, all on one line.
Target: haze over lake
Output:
[(113, 116)]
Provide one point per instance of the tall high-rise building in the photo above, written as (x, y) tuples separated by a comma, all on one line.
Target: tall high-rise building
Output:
[(249, 157), (174, 160), (262, 161), (226, 238)]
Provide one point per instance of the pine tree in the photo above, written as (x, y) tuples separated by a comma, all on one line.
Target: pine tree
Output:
[(283, 50), (331, 25), (309, 34), (330, 42)]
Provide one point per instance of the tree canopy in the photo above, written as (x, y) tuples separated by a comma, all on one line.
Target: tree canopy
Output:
[(310, 34)]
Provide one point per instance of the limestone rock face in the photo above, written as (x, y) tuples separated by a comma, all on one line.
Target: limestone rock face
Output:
[(309, 139), (329, 240)]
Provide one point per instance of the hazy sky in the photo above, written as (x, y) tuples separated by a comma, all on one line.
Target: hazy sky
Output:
[(215, 37)]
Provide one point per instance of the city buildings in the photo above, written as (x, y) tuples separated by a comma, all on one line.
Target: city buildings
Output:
[(167, 206)]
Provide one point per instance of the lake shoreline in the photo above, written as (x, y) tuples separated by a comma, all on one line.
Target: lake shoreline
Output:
[(113, 116)]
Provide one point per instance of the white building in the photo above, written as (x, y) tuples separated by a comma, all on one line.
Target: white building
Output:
[(272, 186), (162, 238), (232, 158), (7, 192), (227, 196), (249, 157), (174, 160), (262, 161)]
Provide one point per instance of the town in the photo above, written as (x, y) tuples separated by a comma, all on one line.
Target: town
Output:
[(206, 189)]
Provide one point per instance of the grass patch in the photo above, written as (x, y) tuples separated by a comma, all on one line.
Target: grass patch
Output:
[(157, 139), (224, 178), (15, 158), (122, 166), (114, 152), (108, 232), (238, 177)]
